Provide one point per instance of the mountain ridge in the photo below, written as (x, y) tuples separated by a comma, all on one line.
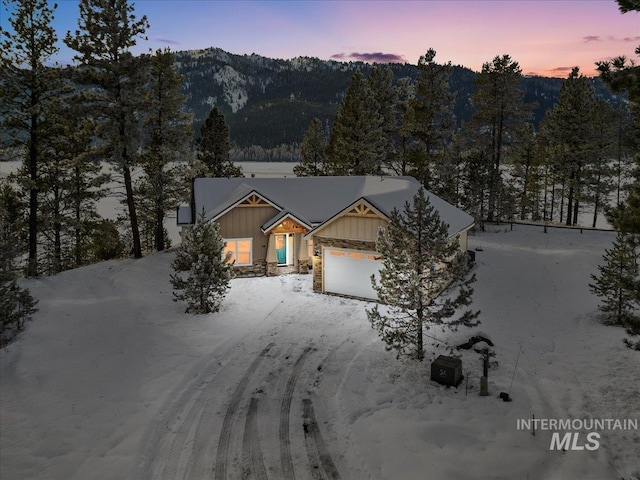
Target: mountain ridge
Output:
[(269, 102)]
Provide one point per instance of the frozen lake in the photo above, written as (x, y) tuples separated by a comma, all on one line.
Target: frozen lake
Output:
[(110, 206)]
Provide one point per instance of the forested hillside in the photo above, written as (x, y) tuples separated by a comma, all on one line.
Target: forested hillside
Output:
[(270, 102)]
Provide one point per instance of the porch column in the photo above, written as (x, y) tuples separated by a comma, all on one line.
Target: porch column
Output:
[(303, 253), (272, 259)]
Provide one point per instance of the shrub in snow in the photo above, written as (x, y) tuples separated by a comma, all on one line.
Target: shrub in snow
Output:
[(202, 269), (16, 305), (424, 279), (617, 283)]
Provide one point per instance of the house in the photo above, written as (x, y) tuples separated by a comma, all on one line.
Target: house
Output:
[(327, 224)]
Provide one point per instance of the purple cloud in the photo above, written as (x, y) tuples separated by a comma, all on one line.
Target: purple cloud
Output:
[(168, 41), (591, 38), (631, 39), (375, 57), (560, 69)]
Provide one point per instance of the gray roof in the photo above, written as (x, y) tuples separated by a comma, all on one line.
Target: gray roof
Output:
[(314, 200)]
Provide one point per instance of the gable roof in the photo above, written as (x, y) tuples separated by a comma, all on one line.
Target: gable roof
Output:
[(315, 200)]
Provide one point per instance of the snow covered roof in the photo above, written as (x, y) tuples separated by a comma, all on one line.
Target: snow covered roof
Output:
[(314, 200)]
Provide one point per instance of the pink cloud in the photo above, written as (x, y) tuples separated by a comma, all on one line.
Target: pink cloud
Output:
[(375, 57)]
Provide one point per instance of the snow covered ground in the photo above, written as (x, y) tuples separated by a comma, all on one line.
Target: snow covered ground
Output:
[(111, 380)]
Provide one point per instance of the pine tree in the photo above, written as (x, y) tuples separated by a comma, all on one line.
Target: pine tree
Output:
[(71, 181), (107, 30), (357, 138), (422, 266), (434, 123), (500, 116), (570, 125), (618, 285), (404, 148), (167, 129), (209, 270), (380, 81), (28, 85), (314, 147), (213, 148), (16, 303)]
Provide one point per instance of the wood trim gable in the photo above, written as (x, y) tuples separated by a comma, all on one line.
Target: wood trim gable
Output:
[(287, 225), (254, 201), (360, 208), (251, 199), (364, 209)]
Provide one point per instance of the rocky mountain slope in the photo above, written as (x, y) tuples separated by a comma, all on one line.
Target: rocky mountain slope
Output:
[(269, 102)]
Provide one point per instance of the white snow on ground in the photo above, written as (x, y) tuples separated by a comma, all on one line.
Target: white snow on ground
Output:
[(111, 380)]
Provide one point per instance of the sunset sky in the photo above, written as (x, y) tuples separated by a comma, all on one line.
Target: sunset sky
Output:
[(546, 37)]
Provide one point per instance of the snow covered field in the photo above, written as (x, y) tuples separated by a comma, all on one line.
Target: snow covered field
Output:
[(111, 380)]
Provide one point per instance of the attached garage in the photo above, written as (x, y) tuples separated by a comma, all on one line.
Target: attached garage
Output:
[(348, 272)]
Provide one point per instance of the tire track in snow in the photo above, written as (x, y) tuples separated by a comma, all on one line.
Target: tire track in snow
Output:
[(285, 409), (252, 458), (321, 452), (171, 450), (225, 433)]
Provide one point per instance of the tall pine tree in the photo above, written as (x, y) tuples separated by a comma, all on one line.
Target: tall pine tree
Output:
[(27, 88), (357, 144), (570, 124), (499, 118), (107, 30), (434, 123), (213, 148), (314, 151), (167, 129), (424, 280)]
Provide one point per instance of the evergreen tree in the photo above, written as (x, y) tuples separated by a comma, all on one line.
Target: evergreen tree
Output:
[(28, 85), (213, 148), (357, 139), (108, 29), (499, 118), (167, 133), (526, 174), (618, 285), (71, 181), (16, 303), (421, 267), (599, 174), (314, 147), (570, 124), (434, 123), (380, 81), (405, 151), (202, 255)]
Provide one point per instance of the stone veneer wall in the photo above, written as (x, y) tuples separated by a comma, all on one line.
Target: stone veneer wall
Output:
[(258, 269), (319, 242)]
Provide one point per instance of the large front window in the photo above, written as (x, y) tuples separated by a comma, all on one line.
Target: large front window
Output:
[(240, 249)]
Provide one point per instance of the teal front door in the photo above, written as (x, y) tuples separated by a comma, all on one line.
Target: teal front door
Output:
[(281, 249)]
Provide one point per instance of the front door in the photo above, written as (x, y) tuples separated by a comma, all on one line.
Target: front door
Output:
[(281, 249)]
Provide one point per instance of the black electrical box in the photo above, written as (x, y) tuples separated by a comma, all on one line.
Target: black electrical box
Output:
[(447, 371)]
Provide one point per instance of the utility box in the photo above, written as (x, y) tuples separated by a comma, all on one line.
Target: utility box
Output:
[(447, 371)]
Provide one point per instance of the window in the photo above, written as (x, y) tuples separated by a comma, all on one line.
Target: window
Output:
[(241, 250), (310, 247), (358, 256)]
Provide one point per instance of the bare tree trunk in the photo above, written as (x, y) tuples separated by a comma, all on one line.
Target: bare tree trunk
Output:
[(32, 266), (133, 218)]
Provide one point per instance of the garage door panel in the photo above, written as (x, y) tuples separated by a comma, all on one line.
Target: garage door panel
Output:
[(348, 272)]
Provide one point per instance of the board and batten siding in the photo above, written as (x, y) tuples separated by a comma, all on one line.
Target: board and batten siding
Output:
[(245, 222), (354, 228)]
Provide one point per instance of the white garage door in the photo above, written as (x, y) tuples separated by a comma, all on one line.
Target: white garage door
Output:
[(348, 272)]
